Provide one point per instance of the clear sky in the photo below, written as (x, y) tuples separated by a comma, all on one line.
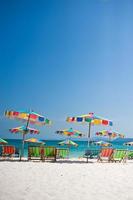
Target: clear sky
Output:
[(65, 58)]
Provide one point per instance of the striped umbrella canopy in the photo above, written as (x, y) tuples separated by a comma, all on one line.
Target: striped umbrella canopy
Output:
[(68, 143), (110, 134), (22, 129), (3, 141), (34, 140), (128, 143), (91, 119), (29, 117), (102, 143), (70, 132)]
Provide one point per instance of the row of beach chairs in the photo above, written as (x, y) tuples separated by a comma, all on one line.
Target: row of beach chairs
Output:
[(35, 153), (9, 151), (109, 155), (47, 153), (53, 153)]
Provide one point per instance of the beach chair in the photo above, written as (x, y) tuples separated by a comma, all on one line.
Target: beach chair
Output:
[(105, 155), (49, 153), (130, 155), (62, 153), (119, 155), (35, 153), (91, 153), (8, 151)]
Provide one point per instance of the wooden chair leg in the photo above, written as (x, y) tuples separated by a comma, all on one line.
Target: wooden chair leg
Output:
[(99, 159), (11, 156), (29, 156), (55, 158), (43, 158)]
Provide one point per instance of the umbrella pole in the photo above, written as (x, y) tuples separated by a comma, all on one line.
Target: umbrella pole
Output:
[(22, 153), (69, 144), (89, 133), (109, 138), (23, 144)]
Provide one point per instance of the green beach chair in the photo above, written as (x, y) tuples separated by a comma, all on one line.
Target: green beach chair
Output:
[(49, 153), (35, 153), (119, 155), (130, 155), (62, 153)]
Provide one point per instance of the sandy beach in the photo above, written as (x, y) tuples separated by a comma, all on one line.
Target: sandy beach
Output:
[(73, 179)]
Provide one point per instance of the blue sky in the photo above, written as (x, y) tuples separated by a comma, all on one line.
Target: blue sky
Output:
[(65, 58)]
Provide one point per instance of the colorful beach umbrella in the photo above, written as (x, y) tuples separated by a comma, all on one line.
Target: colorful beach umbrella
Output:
[(110, 134), (22, 129), (102, 143), (70, 132), (90, 119), (68, 143), (34, 140), (128, 143), (3, 141), (28, 117)]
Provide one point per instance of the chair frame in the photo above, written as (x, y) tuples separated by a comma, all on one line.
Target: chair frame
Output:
[(57, 153), (45, 157), (41, 157)]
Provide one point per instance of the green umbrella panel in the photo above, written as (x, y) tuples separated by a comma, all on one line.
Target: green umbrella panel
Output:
[(3, 141), (68, 143)]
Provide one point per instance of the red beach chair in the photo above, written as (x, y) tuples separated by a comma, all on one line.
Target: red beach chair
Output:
[(8, 151), (105, 154)]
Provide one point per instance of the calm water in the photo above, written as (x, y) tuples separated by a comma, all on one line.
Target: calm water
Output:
[(74, 151)]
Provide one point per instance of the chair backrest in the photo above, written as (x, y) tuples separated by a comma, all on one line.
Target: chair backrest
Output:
[(119, 154), (49, 151), (106, 152), (35, 151), (62, 153), (88, 152), (8, 150)]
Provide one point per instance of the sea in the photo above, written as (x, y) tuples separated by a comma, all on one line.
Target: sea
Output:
[(74, 152)]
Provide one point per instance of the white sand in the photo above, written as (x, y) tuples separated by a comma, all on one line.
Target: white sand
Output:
[(66, 181)]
